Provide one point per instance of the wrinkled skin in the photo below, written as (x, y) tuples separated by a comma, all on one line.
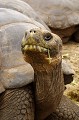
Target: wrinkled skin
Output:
[(16, 103), (44, 98), (42, 50), (47, 67)]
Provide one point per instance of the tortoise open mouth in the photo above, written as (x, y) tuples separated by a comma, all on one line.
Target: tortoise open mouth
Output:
[(35, 48)]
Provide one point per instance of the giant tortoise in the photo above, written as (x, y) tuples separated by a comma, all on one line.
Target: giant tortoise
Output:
[(62, 16), (19, 99)]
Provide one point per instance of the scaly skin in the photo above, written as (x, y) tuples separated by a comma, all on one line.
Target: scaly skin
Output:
[(47, 69), (66, 110), (17, 104), (48, 76)]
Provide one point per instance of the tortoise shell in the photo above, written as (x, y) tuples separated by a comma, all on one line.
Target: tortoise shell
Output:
[(14, 71), (57, 14)]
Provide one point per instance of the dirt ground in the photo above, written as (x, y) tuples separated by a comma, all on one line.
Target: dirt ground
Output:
[(71, 52)]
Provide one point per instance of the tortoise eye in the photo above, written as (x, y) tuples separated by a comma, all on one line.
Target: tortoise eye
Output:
[(47, 36)]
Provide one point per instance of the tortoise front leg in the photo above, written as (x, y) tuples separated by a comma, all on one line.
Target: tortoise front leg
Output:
[(66, 110), (17, 104)]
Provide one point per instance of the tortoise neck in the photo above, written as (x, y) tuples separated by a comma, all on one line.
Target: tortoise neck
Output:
[(42, 66), (48, 84), (48, 87), (45, 75)]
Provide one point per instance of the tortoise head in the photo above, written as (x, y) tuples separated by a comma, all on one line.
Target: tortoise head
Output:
[(40, 46), (42, 49)]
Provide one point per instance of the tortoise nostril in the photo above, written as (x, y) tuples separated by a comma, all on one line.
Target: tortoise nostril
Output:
[(32, 31)]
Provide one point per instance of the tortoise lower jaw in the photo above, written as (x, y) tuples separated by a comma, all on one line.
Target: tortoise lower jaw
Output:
[(36, 54), (35, 48)]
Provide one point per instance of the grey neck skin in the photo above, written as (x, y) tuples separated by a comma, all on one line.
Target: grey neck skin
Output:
[(49, 88)]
